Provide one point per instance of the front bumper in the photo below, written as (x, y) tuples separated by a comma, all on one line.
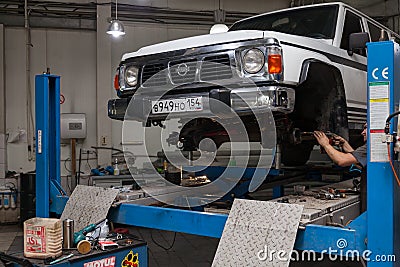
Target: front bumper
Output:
[(243, 101)]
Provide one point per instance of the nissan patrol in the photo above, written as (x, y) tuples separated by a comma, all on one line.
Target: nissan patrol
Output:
[(308, 64)]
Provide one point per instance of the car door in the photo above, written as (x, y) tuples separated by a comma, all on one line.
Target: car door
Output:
[(353, 69)]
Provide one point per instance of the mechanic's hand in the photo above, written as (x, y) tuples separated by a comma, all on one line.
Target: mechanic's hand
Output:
[(321, 137), (338, 140), (342, 143)]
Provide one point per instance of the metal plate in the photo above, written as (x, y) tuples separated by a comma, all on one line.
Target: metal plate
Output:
[(88, 204), (315, 209), (258, 229), (177, 105)]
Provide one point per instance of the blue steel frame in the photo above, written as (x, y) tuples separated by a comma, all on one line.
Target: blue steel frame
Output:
[(379, 227), (50, 197), (314, 237), (383, 194)]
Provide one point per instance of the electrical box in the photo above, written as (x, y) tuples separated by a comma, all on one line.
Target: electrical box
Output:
[(73, 126)]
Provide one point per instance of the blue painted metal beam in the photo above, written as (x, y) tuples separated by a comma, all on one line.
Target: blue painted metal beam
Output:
[(169, 219), (328, 239), (58, 197), (314, 237)]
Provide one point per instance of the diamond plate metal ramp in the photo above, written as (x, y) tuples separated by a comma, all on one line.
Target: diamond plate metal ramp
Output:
[(88, 204), (258, 233)]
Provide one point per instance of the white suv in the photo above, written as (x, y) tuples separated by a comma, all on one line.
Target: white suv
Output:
[(308, 65)]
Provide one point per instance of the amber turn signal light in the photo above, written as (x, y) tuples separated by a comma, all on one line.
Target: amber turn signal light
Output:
[(274, 64), (116, 82)]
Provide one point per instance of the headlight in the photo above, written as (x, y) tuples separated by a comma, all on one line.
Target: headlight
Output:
[(131, 76), (253, 60)]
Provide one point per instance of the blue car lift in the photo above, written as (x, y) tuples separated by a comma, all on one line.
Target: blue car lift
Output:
[(376, 230), (50, 197), (383, 203)]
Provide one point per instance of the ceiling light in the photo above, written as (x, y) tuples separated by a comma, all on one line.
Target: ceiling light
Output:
[(218, 28), (116, 28)]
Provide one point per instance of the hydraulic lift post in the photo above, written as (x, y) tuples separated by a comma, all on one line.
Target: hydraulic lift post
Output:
[(383, 206), (50, 197)]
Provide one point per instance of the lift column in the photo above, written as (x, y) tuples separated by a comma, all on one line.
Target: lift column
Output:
[(383, 204), (47, 114)]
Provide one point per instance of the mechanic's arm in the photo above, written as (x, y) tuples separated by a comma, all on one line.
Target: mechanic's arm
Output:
[(339, 158)]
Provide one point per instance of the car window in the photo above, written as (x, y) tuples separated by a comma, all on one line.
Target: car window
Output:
[(375, 32), (352, 24), (314, 22)]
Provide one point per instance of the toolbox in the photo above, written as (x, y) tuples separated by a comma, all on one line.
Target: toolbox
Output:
[(130, 253)]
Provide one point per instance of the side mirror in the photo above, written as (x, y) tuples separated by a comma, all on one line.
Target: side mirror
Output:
[(357, 40)]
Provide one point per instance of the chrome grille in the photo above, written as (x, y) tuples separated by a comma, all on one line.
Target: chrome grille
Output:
[(215, 68), (153, 75), (183, 71)]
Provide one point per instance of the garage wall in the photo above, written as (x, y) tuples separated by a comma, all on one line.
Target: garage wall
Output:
[(70, 54), (255, 6), (379, 8)]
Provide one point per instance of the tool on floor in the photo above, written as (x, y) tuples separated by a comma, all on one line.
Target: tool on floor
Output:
[(81, 235), (84, 247)]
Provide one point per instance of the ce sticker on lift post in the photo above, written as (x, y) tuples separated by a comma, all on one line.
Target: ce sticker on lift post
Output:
[(379, 111)]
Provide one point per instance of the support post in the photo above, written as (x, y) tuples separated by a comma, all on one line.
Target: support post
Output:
[(383, 192), (104, 83), (3, 145), (47, 107)]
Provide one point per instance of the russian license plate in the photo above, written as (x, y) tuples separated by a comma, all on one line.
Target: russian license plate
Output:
[(177, 105)]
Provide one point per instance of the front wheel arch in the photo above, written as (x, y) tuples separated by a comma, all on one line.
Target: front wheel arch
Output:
[(320, 99), (320, 104)]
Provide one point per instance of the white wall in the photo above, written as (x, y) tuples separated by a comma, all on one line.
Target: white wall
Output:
[(71, 55)]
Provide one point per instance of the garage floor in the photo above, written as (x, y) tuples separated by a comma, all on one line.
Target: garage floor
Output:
[(187, 251)]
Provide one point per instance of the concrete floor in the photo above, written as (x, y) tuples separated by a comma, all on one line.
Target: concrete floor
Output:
[(187, 251), (7, 235)]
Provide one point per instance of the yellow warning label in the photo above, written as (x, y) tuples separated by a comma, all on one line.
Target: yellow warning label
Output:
[(379, 100)]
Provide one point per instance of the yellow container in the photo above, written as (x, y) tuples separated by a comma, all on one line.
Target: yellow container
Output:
[(42, 238)]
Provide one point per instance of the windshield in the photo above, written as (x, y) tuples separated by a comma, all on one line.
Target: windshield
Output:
[(315, 22)]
